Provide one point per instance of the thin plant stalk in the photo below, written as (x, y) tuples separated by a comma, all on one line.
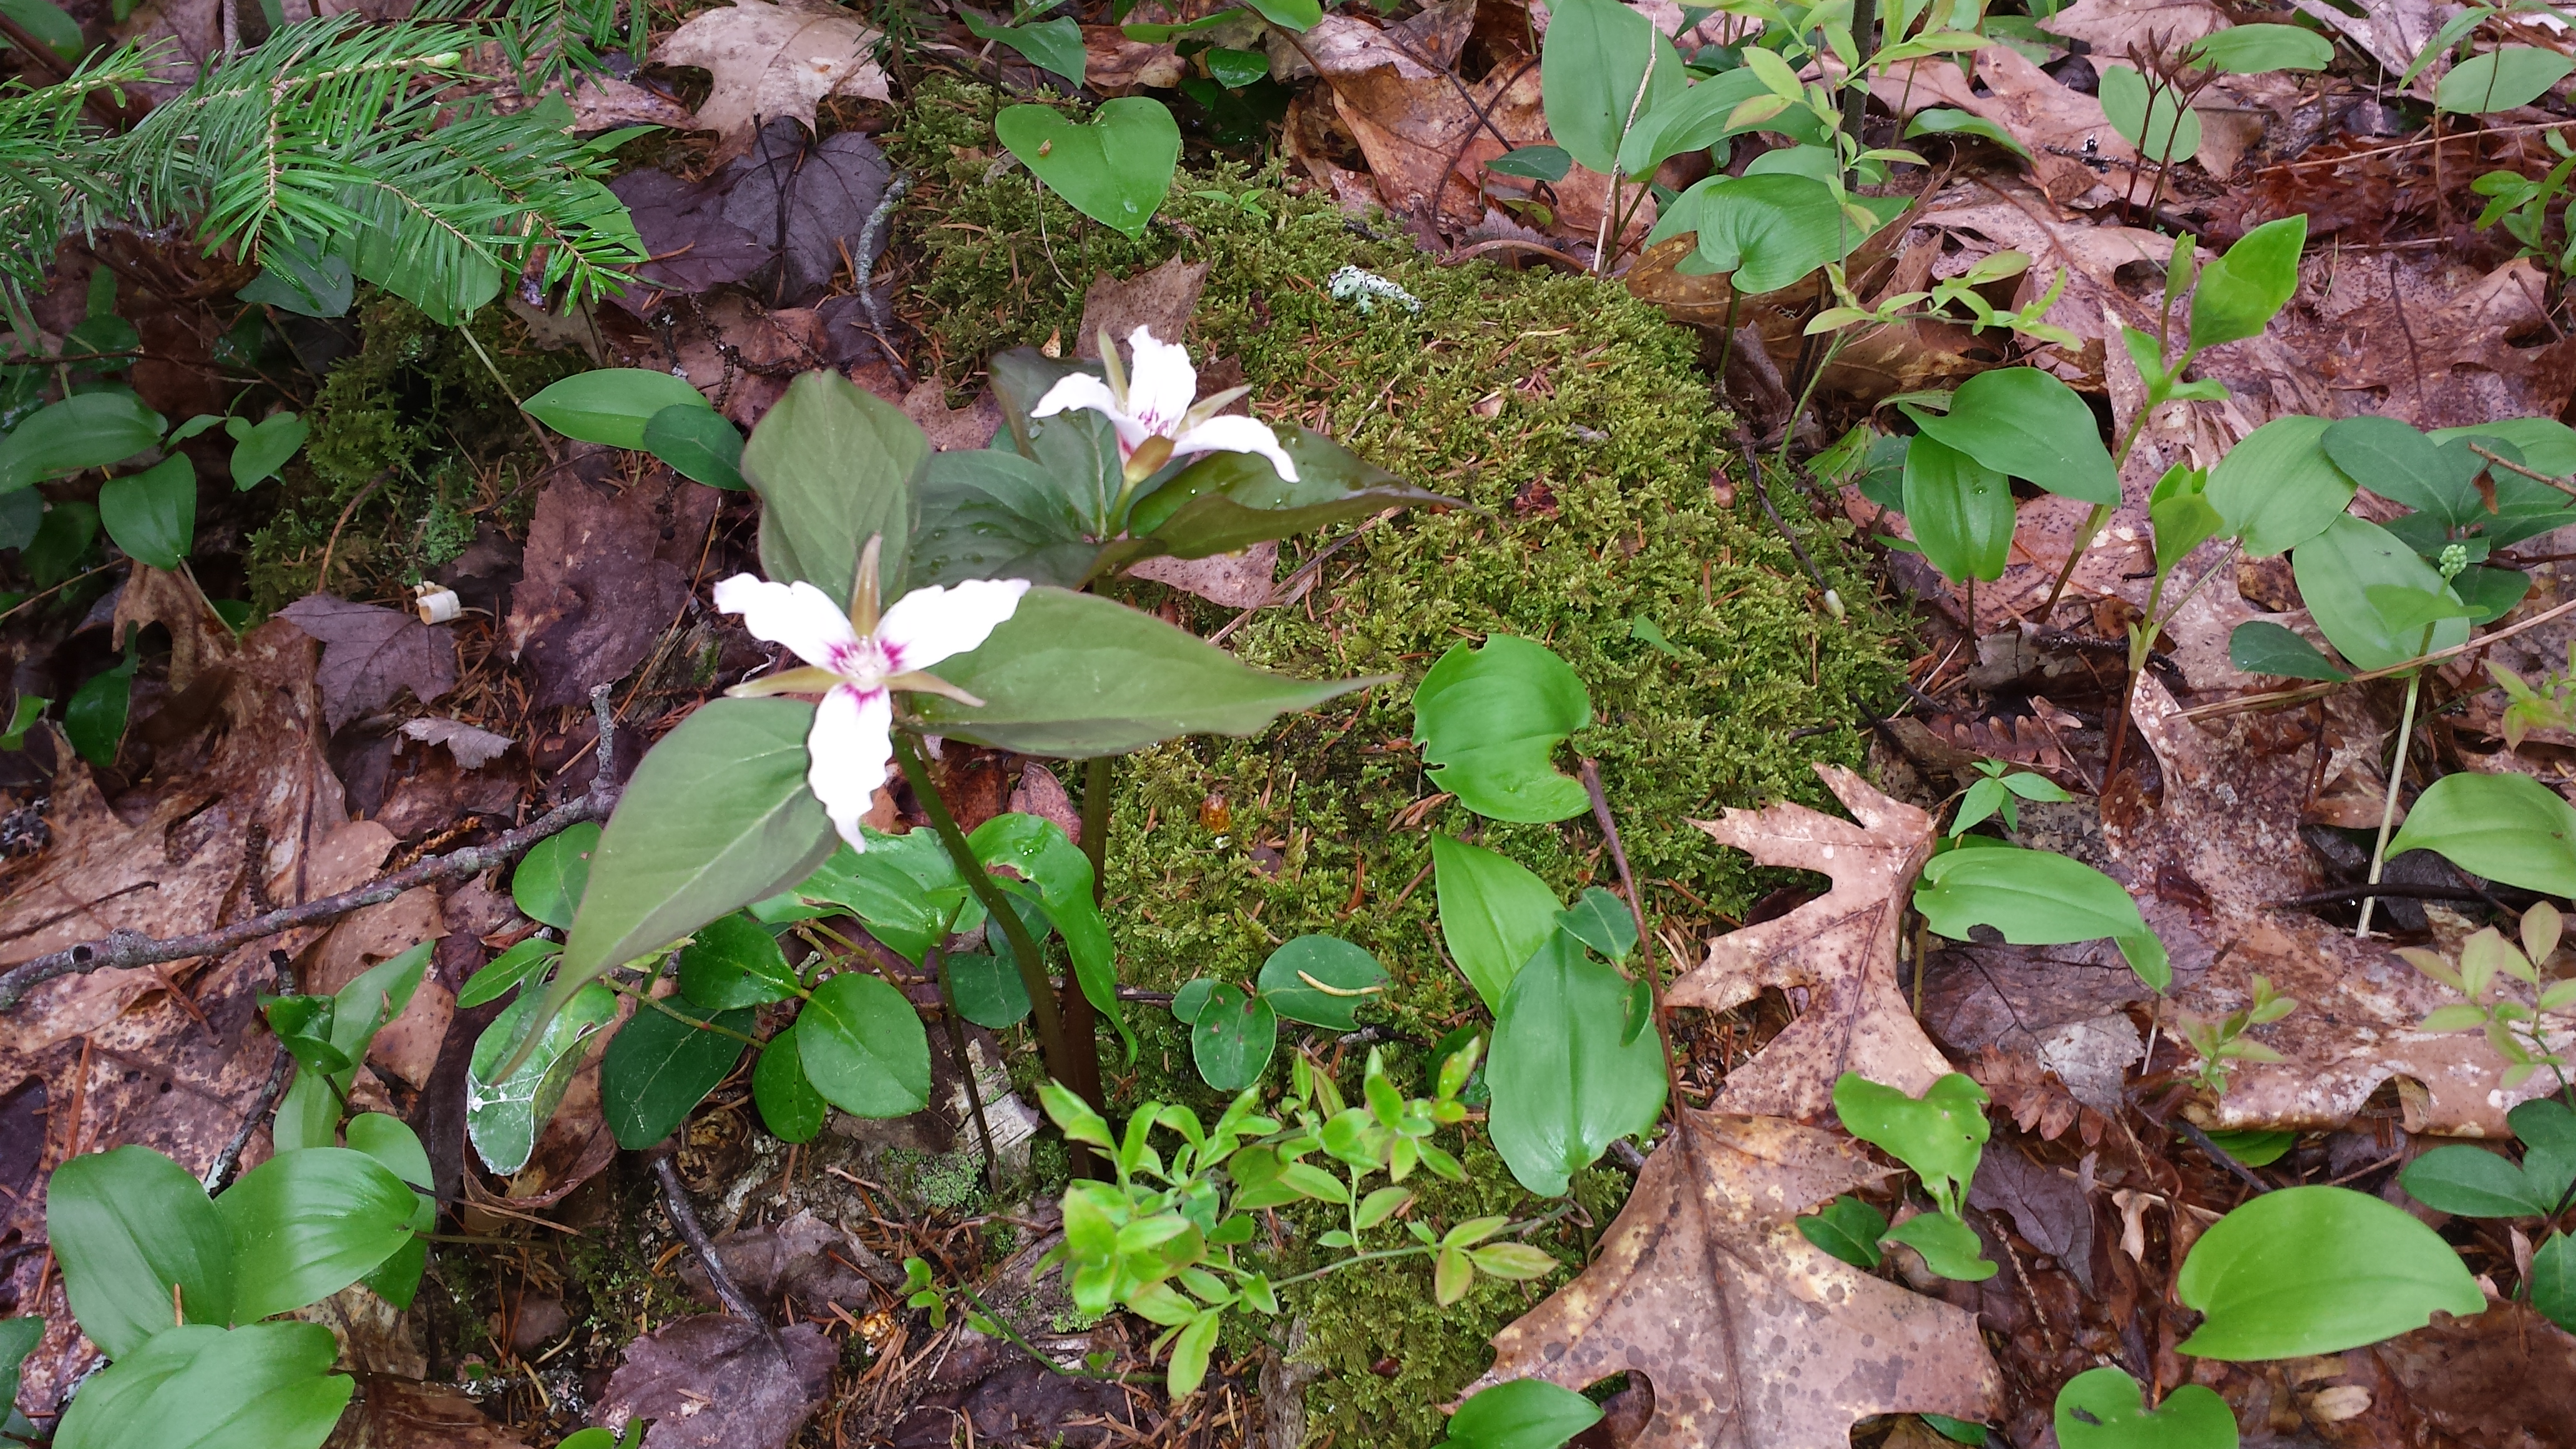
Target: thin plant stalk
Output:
[(938, 963), (2388, 811), (1052, 1042), (1076, 1008)]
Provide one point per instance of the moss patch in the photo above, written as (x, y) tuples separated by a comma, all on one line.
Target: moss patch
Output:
[(1579, 426)]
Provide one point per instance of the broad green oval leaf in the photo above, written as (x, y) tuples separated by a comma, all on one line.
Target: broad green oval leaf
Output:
[(2023, 422), (2548, 1133), (1847, 1228), (2037, 898), (835, 465), (1297, 15), (611, 405), (2474, 1182), (1700, 117), (1520, 1414), (2509, 828), (63, 537), (1116, 169), (260, 449), (1959, 511), (2277, 488), (2545, 444), (527, 959), (307, 1224), (1566, 1076), (54, 28), (2393, 460), (94, 719), (548, 885), (1947, 121), (1079, 675), (1940, 1134), (1192, 999), (1227, 502), (2501, 79), (2315, 1270), (2335, 571), (2553, 1280), (1766, 230), (1052, 45), (260, 1386), (1233, 69), (2245, 288), (126, 1226), (1232, 1038), (1321, 981), (659, 1067), (698, 442), (789, 1106), (1949, 1246), (1602, 921), (87, 430), (2161, 129), (2180, 514), (2254, 49), (864, 1048), (502, 1118), (1495, 913), (2253, 1146), (1536, 163), (903, 888), (1594, 61), (18, 1338), (991, 514), (391, 1141), (2259, 646), (988, 989), (2103, 1409), (717, 816), (1488, 720), (152, 515), (733, 961)]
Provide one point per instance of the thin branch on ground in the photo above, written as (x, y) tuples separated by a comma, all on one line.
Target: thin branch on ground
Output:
[(675, 1201)]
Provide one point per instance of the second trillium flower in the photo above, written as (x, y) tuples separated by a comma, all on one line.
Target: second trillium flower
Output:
[(1157, 410), (856, 661)]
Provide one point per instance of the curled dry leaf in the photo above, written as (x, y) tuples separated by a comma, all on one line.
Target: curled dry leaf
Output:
[(1752, 1337), (473, 747), (774, 60), (1841, 947), (713, 1382)]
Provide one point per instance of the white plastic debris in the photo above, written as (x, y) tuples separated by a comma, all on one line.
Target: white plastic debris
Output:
[(1365, 289), (438, 605)]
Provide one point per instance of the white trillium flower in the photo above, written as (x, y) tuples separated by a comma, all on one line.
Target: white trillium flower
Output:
[(856, 661), (1153, 410)]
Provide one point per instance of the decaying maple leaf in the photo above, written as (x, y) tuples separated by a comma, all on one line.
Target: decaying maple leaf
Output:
[(1752, 1337), (1841, 948), (774, 60)]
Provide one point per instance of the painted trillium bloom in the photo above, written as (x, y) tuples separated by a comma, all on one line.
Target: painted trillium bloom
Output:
[(1153, 410), (856, 661)]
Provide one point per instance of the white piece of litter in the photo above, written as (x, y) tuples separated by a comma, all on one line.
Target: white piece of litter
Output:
[(1365, 289)]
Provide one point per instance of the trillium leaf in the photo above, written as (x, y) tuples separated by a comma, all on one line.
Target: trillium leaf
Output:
[(1079, 675), (1489, 720), (990, 514), (2316, 1270), (835, 466), (2508, 828), (1226, 502)]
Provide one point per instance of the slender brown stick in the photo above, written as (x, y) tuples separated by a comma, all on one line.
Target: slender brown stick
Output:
[(675, 1201), (2318, 691), (966, 1066), (1591, 776), (123, 949)]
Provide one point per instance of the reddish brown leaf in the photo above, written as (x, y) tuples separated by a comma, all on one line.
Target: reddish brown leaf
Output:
[(369, 655)]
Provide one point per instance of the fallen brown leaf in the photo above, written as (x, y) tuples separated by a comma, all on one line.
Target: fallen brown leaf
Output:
[(1235, 580), (772, 61), (1841, 948), (472, 746), (604, 580), (2112, 26), (396, 1413), (714, 1382), (1115, 65), (369, 655), (1163, 299), (1752, 1337)]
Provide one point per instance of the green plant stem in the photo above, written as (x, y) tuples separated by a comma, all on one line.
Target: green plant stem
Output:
[(1031, 1349), (2388, 811), (2101, 513), (544, 444), (1052, 1044), (1074, 1007), (655, 1002)]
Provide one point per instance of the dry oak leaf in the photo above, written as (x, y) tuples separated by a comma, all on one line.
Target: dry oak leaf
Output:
[(1752, 1337), (774, 60), (1841, 947), (370, 654)]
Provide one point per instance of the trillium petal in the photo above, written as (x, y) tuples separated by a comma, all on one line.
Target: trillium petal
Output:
[(928, 625), (798, 615), (1236, 435), (1161, 383), (850, 748), (1076, 391)]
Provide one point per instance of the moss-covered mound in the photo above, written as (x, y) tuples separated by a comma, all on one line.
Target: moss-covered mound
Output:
[(1577, 424)]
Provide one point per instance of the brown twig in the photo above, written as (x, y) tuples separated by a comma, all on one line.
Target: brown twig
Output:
[(2318, 691), (123, 949), (2510, 466), (675, 1201)]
